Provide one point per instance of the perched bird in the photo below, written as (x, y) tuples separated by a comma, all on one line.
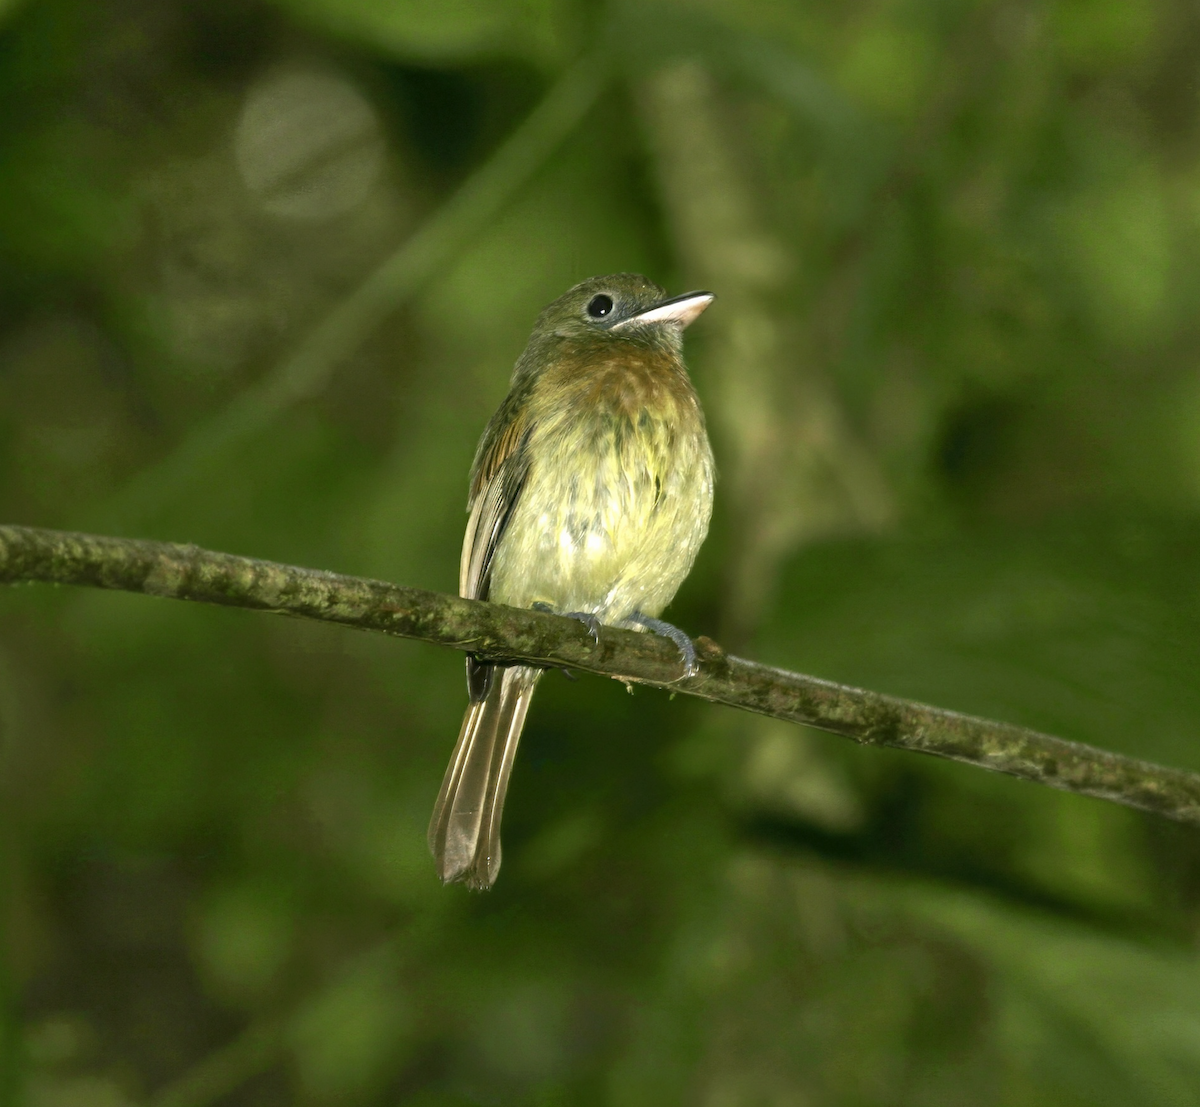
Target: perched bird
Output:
[(590, 495)]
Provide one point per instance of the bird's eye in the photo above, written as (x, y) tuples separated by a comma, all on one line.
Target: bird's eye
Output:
[(599, 306)]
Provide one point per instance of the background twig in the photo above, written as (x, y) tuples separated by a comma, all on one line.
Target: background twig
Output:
[(797, 470), (496, 632)]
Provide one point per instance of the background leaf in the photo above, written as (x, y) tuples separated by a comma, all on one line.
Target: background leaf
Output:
[(951, 382)]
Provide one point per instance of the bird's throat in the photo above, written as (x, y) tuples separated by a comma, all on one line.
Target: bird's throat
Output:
[(622, 384)]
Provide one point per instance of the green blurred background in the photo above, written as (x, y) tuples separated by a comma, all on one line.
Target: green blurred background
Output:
[(953, 384)]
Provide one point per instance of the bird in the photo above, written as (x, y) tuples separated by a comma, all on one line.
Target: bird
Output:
[(590, 495)]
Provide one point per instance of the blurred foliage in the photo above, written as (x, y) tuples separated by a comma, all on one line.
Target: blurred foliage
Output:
[(985, 226)]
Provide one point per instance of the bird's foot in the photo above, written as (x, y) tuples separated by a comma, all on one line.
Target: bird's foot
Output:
[(682, 642), (585, 617), (588, 620)]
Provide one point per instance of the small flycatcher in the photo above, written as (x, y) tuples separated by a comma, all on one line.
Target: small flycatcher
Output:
[(590, 495)]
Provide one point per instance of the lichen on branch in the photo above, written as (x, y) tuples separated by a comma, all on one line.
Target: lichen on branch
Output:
[(498, 633)]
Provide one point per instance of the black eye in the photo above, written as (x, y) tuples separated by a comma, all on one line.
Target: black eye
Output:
[(599, 306)]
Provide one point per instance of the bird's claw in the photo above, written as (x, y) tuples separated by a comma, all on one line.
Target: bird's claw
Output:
[(585, 617), (588, 620), (686, 647)]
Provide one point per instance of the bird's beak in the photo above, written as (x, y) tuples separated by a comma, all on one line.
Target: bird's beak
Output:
[(680, 310)]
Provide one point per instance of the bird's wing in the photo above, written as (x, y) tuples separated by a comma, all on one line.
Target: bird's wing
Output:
[(497, 477)]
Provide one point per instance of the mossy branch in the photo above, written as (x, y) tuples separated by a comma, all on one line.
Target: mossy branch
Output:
[(499, 633)]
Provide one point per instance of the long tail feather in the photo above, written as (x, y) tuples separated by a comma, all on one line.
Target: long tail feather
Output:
[(464, 832)]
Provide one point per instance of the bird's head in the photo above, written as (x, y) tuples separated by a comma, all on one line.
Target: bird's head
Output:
[(623, 307)]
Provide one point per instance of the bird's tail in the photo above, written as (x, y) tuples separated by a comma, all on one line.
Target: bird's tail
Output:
[(464, 832)]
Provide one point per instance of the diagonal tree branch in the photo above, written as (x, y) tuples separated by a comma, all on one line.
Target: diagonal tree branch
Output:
[(306, 371), (499, 633)]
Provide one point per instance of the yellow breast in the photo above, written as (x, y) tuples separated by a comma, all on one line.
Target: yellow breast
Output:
[(618, 495)]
